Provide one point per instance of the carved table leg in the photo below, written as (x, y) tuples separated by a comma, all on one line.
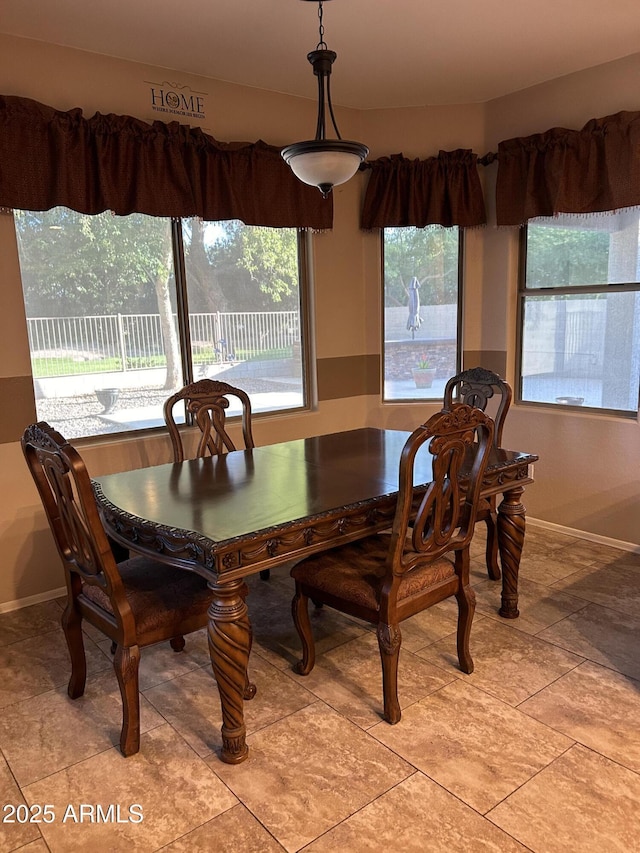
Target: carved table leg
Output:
[(511, 524), (229, 647)]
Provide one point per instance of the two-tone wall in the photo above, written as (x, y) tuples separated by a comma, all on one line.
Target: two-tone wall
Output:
[(585, 479)]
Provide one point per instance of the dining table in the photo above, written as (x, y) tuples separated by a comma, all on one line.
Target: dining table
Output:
[(229, 516)]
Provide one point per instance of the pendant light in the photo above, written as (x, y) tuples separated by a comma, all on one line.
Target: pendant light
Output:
[(322, 162)]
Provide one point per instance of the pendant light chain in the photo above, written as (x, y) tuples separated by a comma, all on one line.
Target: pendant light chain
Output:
[(322, 43)]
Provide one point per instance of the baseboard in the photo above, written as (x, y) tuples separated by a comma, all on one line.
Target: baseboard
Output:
[(19, 603), (583, 534)]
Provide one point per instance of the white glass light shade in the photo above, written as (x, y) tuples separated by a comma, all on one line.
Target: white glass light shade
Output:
[(325, 163)]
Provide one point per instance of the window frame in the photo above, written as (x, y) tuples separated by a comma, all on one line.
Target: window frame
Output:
[(569, 290)]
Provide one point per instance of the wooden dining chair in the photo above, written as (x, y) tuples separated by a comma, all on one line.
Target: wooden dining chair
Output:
[(386, 578), (207, 401), (136, 602), (483, 388)]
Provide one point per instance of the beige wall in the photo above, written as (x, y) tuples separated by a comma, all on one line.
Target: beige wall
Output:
[(585, 479)]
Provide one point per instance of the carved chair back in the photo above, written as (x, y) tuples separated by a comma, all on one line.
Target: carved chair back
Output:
[(477, 387), (446, 511), (65, 489), (207, 401)]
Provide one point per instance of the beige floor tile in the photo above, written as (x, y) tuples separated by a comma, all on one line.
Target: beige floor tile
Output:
[(509, 664), (597, 707), (235, 831), (349, 679), (561, 561), (307, 773), (176, 791), (539, 606), (614, 585), (192, 705), (41, 663), (316, 779), (478, 571), (448, 737), (595, 552), (550, 540), (49, 732), (582, 802), (602, 635), (29, 622), (548, 568), (13, 832), (160, 663), (417, 816), (430, 625), (274, 634)]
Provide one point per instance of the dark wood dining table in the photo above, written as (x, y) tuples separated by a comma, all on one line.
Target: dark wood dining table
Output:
[(230, 516)]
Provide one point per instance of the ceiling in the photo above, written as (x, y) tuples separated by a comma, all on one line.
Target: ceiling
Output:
[(391, 53)]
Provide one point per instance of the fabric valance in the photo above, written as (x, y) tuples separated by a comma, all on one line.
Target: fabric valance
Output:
[(120, 163), (570, 171), (442, 190)]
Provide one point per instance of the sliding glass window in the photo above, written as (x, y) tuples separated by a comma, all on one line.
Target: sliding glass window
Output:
[(123, 311)]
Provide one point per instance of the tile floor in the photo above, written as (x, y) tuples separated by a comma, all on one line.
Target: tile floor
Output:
[(538, 749)]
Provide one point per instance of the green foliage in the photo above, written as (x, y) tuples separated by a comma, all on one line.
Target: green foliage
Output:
[(270, 256), (75, 264), (430, 254), (69, 366), (563, 257), (234, 267)]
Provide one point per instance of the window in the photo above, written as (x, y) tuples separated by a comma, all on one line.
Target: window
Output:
[(421, 311), (122, 311), (580, 312)]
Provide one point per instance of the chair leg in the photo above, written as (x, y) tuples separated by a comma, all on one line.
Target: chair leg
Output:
[(389, 641), (300, 612), (493, 569), (265, 574), (466, 598), (126, 662), (177, 643), (72, 627)]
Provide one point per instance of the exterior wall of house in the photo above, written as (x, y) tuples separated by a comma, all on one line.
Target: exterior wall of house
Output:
[(585, 479)]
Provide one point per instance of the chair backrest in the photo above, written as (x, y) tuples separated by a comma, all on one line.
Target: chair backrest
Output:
[(446, 511), (65, 489), (207, 401), (476, 387)]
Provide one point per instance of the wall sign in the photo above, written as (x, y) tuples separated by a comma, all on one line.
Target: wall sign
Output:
[(176, 99)]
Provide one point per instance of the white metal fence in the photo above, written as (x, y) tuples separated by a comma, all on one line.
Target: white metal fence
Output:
[(62, 346)]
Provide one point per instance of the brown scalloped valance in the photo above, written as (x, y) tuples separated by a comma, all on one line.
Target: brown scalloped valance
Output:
[(570, 171), (442, 190), (119, 163)]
